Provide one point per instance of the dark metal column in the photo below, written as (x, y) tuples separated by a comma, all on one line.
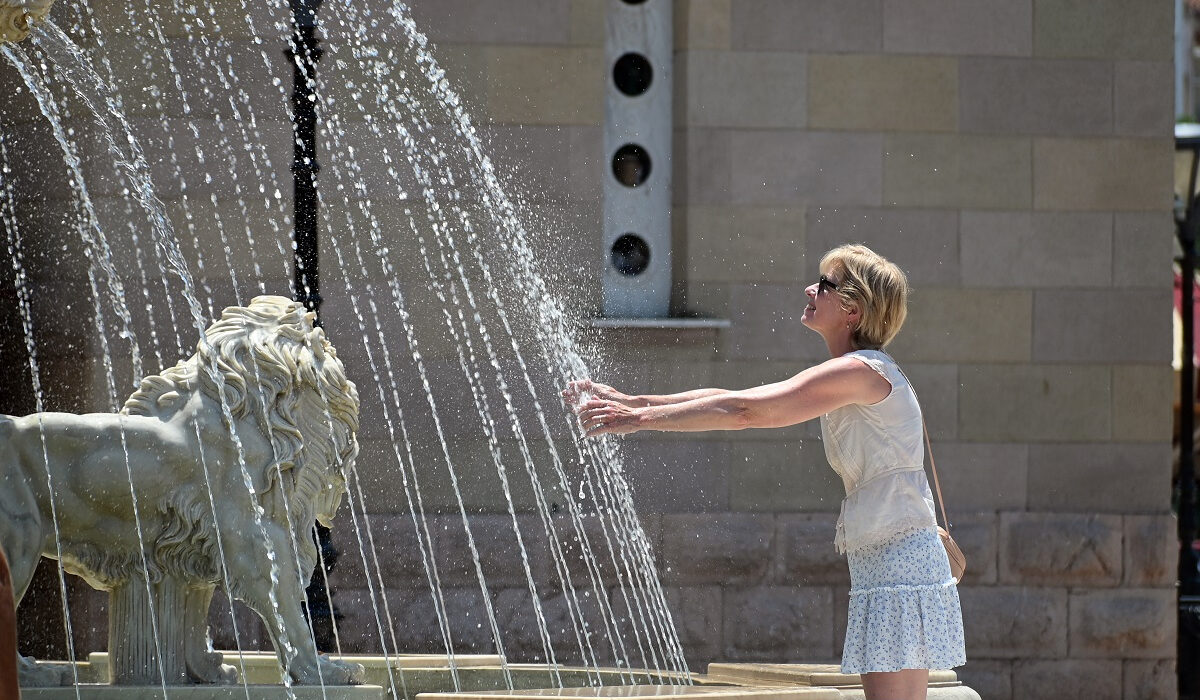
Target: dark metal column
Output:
[(304, 54), (1187, 222)]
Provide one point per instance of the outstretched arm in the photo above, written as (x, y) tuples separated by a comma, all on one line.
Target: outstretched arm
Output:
[(814, 392), (578, 388)]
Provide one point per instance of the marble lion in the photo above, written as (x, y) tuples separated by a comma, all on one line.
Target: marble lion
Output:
[(244, 477)]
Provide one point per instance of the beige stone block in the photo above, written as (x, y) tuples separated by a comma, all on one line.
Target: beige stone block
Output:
[(1127, 623), (882, 93), (806, 553), (771, 476), (1100, 477), (1066, 678), (697, 614), (745, 244), (703, 24), (766, 324), (1142, 104), (751, 89), (233, 20), (1142, 400), (1151, 550), (1102, 29), (787, 167), (546, 168), (923, 242), (759, 622), (937, 319), (1151, 680), (819, 25), (979, 476), (702, 162), (1102, 174), (1082, 550), (1033, 623), (1034, 247), (992, 679), (958, 27), (587, 22), (1024, 96), (501, 22), (942, 170), (1140, 242), (717, 548), (976, 535), (937, 389), (1101, 326), (545, 85), (1029, 403)]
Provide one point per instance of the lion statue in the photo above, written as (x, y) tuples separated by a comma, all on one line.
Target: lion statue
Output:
[(210, 476)]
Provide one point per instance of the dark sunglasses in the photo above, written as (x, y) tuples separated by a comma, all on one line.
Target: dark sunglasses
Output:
[(824, 283)]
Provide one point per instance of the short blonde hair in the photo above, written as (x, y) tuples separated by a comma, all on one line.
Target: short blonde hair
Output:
[(875, 286)]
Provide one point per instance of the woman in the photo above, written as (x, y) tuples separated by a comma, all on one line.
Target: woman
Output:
[(904, 616)]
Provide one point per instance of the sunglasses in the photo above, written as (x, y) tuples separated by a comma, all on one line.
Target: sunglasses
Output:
[(825, 283)]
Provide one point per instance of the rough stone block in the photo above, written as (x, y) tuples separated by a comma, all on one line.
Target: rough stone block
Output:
[(1142, 399), (1139, 243), (1101, 477), (703, 166), (703, 24), (1022, 96), (724, 548), (882, 93), (744, 244), (923, 242), (1034, 246), (601, 551), (957, 170), (991, 679), (1126, 623), (1060, 549), (979, 476), (819, 25), (1151, 550), (1142, 101), (779, 476), (958, 27), (933, 331), (1102, 29), (396, 544), (503, 22), (760, 622), (1028, 403), (1151, 680), (750, 89), (698, 616), (975, 534), (1033, 623), (806, 552), (838, 167), (1102, 174), (1075, 679), (1101, 326), (545, 85)]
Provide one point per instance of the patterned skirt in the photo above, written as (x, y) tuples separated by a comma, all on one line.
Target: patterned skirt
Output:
[(904, 609)]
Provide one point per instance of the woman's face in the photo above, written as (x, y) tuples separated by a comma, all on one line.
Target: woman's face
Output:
[(824, 311)]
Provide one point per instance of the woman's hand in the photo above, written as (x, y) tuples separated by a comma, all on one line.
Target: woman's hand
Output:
[(604, 417), (581, 389)]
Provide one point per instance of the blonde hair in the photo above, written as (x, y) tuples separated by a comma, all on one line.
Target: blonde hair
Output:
[(875, 286)]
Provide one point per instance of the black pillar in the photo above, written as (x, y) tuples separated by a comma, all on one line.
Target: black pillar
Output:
[(1187, 222), (304, 54)]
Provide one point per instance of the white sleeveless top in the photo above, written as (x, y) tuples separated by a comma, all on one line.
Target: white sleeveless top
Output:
[(877, 450)]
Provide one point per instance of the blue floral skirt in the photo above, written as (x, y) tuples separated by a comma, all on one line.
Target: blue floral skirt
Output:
[(904, 609)]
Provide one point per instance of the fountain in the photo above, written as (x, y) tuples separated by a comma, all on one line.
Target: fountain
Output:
[(455, 341)]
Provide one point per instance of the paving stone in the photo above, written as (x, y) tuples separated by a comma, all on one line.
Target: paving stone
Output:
[(818, 25), (958, 27), (1127, 623), (725, 548), (1099, 477), (1060, 549), (799, 620), (1151, 550), (1078, 679), (882, 92), (806, 552), (1034, 623)]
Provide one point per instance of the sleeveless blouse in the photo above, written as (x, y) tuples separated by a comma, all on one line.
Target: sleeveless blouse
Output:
[(877, 449)]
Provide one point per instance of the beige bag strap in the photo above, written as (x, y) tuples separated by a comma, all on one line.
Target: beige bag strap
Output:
[(928, 449)]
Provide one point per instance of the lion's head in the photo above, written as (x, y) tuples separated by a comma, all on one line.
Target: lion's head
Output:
[(269, 362)]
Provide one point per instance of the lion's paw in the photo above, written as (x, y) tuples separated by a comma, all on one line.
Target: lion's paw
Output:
[(31, 674), (333, 672)]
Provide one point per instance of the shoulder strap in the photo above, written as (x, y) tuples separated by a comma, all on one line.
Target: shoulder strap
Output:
[(928, 449)]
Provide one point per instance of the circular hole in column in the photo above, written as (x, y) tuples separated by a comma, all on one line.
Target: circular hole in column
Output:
[(632, 74), (631, 165), (630, 254)]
